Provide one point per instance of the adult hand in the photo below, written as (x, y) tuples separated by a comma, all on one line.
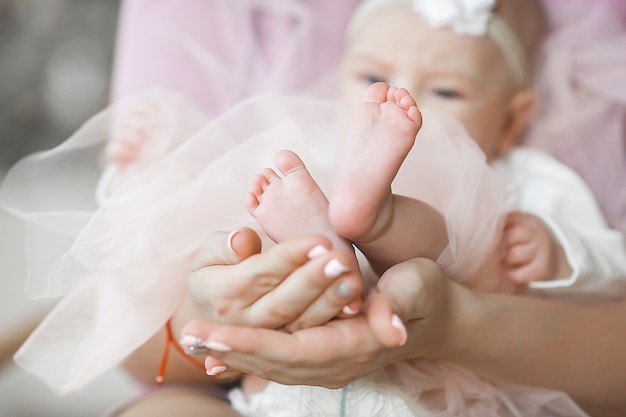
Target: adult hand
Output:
[(300, 283), (332, 355)]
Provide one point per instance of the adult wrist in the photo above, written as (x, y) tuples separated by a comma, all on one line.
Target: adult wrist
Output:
[(460, 333)]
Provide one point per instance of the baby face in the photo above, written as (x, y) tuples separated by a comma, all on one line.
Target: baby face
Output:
[(461, 75)]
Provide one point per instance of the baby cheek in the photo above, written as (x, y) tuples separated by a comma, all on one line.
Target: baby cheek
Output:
[(481, 129), (351, 91), (487, 142)]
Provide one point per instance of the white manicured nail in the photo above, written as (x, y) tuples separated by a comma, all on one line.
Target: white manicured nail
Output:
[(188, 341), (349, 310), (316, 251), (334, 269), (230, 241), (219, 346), (215, 370), (397, 323)]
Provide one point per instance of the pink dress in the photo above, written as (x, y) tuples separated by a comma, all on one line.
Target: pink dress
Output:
[(219, 52)]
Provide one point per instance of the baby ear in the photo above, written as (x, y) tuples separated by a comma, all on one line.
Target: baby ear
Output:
[(520, 110)]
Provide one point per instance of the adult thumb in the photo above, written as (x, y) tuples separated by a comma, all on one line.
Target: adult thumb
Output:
[(403, 293)]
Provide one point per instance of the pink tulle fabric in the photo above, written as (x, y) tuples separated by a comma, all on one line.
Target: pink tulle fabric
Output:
[(123, 265), (581, 85)]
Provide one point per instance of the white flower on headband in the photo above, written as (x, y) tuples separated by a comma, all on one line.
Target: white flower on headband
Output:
[(465, 17)]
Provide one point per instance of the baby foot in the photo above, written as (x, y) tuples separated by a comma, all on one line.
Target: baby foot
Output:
[(291, 206), (143, 133), (382, 135)]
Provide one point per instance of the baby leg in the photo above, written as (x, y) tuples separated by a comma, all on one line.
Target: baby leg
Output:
[(382, 135), (293, 205)]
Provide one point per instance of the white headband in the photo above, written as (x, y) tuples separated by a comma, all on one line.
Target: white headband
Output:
[(465, 17)]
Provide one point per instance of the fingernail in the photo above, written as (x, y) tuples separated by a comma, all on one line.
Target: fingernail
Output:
[(219, 346), (334, 269), (189, 340), (230, 241), (349, 310), (215, 370), (316, 251), (192, 345), (397, 323), (196, 350), (344, 291)]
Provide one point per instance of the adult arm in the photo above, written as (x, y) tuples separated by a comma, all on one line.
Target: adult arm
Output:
[(578, 348)]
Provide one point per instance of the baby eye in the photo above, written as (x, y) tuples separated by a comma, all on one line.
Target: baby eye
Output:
[(447, 93), (371, 79)]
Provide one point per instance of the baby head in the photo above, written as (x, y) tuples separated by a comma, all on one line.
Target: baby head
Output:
[(469, 58)]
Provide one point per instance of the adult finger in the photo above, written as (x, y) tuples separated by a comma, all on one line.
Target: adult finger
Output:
[(221, 248), (405, 292), (236, 287), (325, 285), (330, 355)]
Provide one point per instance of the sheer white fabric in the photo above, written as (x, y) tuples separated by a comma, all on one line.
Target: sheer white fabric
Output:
[(123, 265), (408, 388)]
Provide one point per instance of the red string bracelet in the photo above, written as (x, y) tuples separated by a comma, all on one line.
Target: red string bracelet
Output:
[(170, 341)]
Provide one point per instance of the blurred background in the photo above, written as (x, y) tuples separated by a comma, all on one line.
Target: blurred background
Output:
[(55, 62), (55, 65)]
